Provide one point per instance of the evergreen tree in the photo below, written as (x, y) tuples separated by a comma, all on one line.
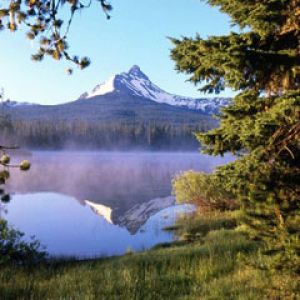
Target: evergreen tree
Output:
[(262, 124)]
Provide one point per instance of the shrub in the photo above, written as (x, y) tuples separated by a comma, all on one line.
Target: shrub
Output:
[(204, 190), (15, 250)]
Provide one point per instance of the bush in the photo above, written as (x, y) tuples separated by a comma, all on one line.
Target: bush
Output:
[(204, 190), (14, 250)]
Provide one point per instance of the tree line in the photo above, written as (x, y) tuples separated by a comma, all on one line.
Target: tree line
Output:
[(82, 134)]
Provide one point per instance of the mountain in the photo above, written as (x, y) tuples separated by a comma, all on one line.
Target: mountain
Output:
[(126, 112), (136, 83)]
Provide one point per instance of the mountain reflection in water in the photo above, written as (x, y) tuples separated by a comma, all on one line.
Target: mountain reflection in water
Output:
[(99, 203)]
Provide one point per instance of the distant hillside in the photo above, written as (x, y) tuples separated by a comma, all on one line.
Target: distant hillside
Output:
[(111, 107)]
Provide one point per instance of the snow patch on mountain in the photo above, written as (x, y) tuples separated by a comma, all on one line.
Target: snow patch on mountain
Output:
[(102, 89)]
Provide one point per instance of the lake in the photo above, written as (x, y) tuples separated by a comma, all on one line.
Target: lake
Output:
[(91, 204)]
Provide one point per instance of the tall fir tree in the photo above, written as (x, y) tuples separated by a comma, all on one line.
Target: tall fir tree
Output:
[(262, 124)]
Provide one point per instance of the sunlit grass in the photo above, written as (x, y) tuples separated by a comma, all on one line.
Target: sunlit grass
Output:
[(212, 267)]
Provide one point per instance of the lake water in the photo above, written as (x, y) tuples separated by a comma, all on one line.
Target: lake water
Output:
[(90, 204)]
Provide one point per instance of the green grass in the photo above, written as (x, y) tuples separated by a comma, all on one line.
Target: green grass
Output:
[(211, 267)]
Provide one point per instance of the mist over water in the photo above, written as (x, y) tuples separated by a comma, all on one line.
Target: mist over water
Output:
[(99, 195)]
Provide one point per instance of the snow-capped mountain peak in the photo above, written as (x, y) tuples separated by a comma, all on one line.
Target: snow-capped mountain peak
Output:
[(136, 83), (136, 71)]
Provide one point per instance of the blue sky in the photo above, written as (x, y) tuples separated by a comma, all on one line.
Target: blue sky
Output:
[(136, 34)]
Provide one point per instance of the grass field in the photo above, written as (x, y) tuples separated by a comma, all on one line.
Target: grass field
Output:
[(211, 261)]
